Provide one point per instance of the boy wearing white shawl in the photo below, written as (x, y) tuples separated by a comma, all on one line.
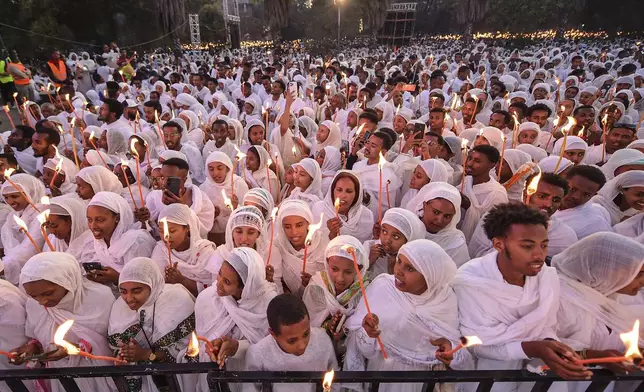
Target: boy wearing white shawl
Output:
[(592, 274), (293, 345), (509, 298), (480, 190)]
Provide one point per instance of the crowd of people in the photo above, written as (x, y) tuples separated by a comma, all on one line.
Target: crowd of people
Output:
[(360, 211)]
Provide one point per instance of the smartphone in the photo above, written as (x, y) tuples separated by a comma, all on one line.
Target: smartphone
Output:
[(92, 267), (419, 131), (172, 185), (292, 89)]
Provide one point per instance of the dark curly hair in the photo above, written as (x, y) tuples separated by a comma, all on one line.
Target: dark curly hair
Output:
[(502, 216)]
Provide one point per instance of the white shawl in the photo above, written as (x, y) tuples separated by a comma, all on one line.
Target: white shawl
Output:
[(482, 198), (80, 238), (606, 196)]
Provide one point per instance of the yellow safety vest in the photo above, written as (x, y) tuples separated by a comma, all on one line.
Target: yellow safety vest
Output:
[(3, 69)]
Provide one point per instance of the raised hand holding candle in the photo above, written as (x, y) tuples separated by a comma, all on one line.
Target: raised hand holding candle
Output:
[(309, 236), (336, 204), (466, 341), (59, 340)]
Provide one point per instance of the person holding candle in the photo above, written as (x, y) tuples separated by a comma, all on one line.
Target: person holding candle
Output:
[(232, 313), (330, 161), (593, 274), (308, 182), (257, 174), (246, 228), (429, 170), (260, 198), (616, 138), (189, 251), (114, 143), (415, 314), (289, 182), (61, 182), (574, 150), (151, 321), (19, 144), (25, 203), (514, 170), (94, 179), (350, 217), (143, 144), (57, 293), (68, 230), (292, 225), (130, 187), (116, 241), (623, 196), (509, 298), (175, 138), (193, 128), (220, 177)]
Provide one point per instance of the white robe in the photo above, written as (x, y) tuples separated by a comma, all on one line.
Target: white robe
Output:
[(482, 198), (586, 219), (201, 205)]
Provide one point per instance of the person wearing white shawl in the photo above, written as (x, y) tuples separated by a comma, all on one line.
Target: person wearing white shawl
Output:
[(258, 174), (64, 182), (232, 313), (151, 321), (429, 170), (67, 228), (549, 164), (190, 195), (58, 293), (220, 178), (415, 314), (291, 227), (516, 167), (622, 161), (623, 196), (593, 273), (194, 122), (188, 102), (574, 151), (190, 253), (482, 191), (535, 153), (438, 205), (385, 112), (17, 247), (260, 198), (352, 217), (93, 179), (96, 158), (175, 141), (330, 161), (12, 325), (230, 109), (220, 142), (328, 134), (308, 181), (617, 137), (114, 143), (509, 298), (130, 187), (116, 241)]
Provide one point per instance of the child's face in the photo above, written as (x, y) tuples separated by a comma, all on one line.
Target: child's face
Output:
[(217, 171), (288, 178), (342, 272), (293, 339), (157, 183)]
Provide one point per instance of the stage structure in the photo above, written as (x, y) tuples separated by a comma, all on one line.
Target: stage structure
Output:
[(230, 10), (195, 34), (399, 24)]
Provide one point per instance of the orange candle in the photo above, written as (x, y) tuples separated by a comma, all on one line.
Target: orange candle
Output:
[(127, 182)]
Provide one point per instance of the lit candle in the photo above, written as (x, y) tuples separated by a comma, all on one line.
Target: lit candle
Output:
[(135, 154), (91, 141), (309, 236), (466, 341), (498, 177), (352, 252), (279, 185), (193, 346), (270, 243), (476, 104), (6, 111), (15, 100), (42, 218), (7, 174), (59, 340), (166, 238), (227, 201), (49, 93), (59, 167), (122, 77), (336, 204), (23, 229), (464, 150), (515, 132), (156, 118), (328, 380), (127, 182), (381, 164), (268, 172), (605, 121), (571, 123), (532, 187)]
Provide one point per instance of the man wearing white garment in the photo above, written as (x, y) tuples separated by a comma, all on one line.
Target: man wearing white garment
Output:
[(509, 298)]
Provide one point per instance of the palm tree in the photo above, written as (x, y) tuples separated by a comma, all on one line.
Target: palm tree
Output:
[(470, 12), (277, 14)]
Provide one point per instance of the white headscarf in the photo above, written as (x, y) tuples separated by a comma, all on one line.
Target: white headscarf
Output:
[(409, 321), (124, 235), (101, 179), (217, 316), (68, 169), (516, 160), (591, 272), (406, 222), (167, 306), (435, 169), (605, 197), (548, 164), (312, 193), (334, 138), (80, 236), (34, 190), (260, 178), (619, 158), (572, 143), (94, 158)]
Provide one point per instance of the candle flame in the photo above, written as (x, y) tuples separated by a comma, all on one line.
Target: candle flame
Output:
[(67, 97), (269, 162), (581, 131), (532, 187), (73, 122), (43, 216), (59, 166), (469, 341), (227, 201), (15, 95), (605, 118), (6, 108), (44, 200), (59, 338), (133, 148), (240, 155), (631, 341), (156, 116), (336, 204), (294, 151), (516, 119), (328, 380), (359, 132), (312, 229), (91, 135), (166, 232), (20, 223), (570, 124), (274, 213), (464, 144), (8, 172), (563, 108), (193, 346), (381, 161), (558, 81)]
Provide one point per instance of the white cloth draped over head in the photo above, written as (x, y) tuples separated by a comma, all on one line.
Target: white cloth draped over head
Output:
[(86, 302), (217, 316), (619, 158), (12, 308), (213, 189), (124, 236), (359, 220), (435, 169), (260, 197), (185, 99), (494, 136), (591, 272), (409, 321), (406, 222), (331, 164), (334, 138), (450, 238), (34, 190), (515, 160), (261, 178), (94, 158), (482, 197), (68, 169), (572, 143), (192, 262), (605, 197), (320, 298), (80, 236), (116, 144), (549, 164), (535, 152), (167, 306), (292, 259), (101, 179), (312, 193)]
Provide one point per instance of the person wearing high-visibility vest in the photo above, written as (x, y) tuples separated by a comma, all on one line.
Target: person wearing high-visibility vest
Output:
[(21, 78), (57, 70), (6, 80)]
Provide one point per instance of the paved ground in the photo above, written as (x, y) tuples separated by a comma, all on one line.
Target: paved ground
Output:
[(5, 125)]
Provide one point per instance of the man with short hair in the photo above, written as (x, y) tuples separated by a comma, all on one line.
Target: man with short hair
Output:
[(44, 142), (502, 120), (111, 114), (219, 141), (469, 110), (19, 144), (172, 135), (617, 138)]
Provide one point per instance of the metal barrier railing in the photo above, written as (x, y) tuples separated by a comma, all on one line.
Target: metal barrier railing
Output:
[(219, 379)]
